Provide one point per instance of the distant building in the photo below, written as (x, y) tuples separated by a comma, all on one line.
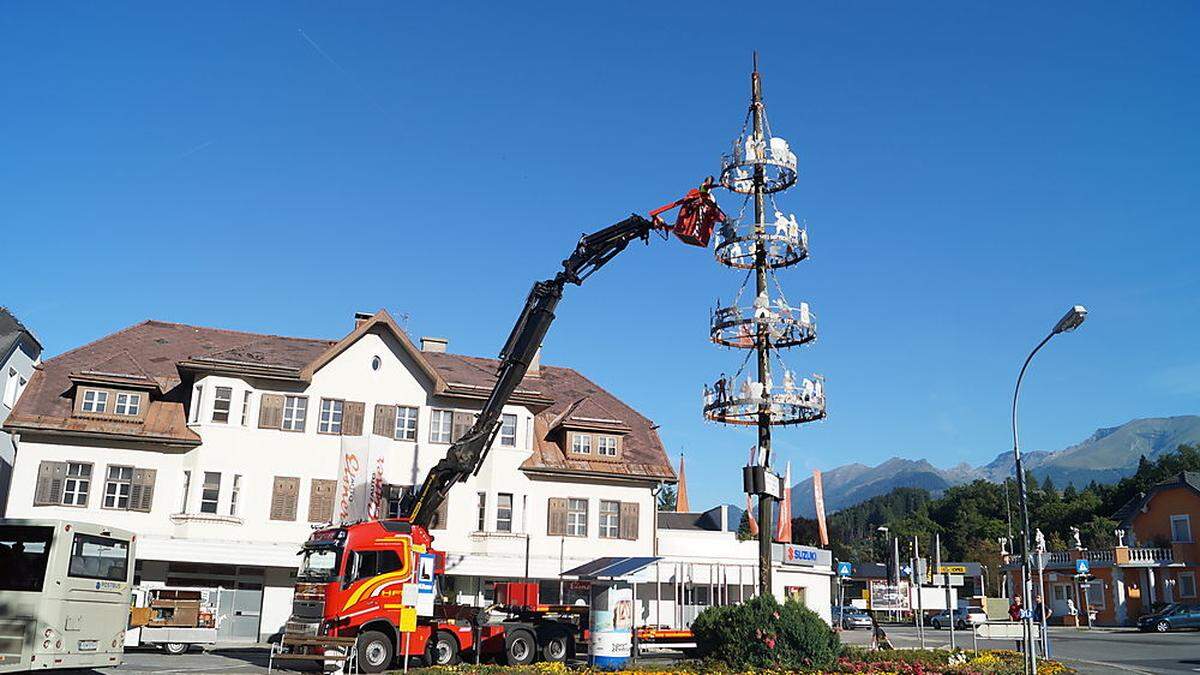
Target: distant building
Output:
[(20, 351), (1157, 562)]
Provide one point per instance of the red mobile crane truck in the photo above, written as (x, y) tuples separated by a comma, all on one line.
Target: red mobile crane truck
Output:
[(352, 580)]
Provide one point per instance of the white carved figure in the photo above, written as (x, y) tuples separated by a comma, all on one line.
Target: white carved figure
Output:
[(805, 315), (1120, 536), (735, 252), (781, 224), (819, 390), (807, 387), (744, 391), (1075, 538), (751, 151), (1039, 541), (1003, 545), (804, 239), (708, 396), (779, 149), (756, 391), (793, 227), (789, 382), (762, 306)]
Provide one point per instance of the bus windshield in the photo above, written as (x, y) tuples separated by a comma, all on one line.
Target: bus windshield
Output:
[(24, 550), (319, 564)]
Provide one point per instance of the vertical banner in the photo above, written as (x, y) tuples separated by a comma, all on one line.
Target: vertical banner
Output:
[(819, 503), (783, 531), (348, 503), (749, 506)]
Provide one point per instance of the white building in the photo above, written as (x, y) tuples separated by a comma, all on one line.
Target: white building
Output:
[(221, 450), (19, 355)]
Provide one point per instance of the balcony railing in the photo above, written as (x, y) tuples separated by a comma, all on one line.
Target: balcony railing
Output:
[(1121, 556), (1147, 556)]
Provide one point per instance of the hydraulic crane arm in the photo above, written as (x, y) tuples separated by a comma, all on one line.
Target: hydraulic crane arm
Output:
[(466, 454)]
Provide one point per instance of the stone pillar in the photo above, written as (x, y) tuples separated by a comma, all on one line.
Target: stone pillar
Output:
[(1168, 588), (1151, 587)]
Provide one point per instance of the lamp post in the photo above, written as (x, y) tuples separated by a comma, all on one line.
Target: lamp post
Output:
[(1070, 321)]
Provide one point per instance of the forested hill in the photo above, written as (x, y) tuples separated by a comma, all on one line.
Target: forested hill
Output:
[(973, 516)]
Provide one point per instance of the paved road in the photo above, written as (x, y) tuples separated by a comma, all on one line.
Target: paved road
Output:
[(1101, 651)]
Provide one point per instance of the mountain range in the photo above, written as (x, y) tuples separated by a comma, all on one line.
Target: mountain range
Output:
[(1105, 457)]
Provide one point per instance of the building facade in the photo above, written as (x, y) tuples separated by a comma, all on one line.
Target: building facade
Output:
[(222, 450), (20, 352), (1156, 562)]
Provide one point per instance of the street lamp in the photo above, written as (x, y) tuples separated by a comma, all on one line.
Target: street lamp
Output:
[(1070, 321)]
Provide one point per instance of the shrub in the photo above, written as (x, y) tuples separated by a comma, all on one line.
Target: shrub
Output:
[(762, 633)]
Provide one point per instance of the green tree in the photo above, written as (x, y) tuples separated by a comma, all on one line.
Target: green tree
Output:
[(743, 531)]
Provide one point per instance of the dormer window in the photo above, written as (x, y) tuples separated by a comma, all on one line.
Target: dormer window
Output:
[(128, 404), (222, 402), (94, 401), (606, 446), (581, 444)]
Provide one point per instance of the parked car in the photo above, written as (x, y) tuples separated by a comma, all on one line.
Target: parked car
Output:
[(964, 617), (1171, 617), (851, 618)]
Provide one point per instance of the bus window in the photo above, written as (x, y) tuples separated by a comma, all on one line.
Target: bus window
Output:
[(24, 550), (95, 557)]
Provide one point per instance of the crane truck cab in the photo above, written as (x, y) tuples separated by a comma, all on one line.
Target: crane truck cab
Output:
[(356, 585)]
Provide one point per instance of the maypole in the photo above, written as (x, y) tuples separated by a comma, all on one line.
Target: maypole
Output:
[(759, 166)]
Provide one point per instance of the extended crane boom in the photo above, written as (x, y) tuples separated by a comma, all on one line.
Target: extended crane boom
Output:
[(698, 214)]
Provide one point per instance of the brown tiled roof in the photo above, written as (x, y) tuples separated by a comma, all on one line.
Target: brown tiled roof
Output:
[(154, 349), (642, 451)]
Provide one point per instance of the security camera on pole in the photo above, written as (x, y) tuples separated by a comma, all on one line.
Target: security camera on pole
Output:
[(759, 165)]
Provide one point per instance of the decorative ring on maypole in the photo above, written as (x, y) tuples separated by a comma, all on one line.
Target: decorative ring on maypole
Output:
[(786, 326), (785, 242), (776, 158), (794, 403)]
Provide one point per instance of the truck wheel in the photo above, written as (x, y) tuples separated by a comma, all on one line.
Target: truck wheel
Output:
[(442, 650), (375, 652), (520, 648), (176, 648), (556, 647)]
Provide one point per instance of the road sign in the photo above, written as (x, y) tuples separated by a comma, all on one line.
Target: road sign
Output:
[(946, 580), (1005, 630), (844, 569), (1081, 566)]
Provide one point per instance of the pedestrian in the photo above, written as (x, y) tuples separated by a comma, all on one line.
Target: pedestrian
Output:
[(1014, 609)]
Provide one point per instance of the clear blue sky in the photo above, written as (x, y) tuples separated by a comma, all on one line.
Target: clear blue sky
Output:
[(968, 173)]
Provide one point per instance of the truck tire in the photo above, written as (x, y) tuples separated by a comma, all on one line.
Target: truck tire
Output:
[(175, 648), (520, 647), (442, 649), (375, 652), (556, 645)]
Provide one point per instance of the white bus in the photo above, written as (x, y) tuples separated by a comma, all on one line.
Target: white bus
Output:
[(64, 594)]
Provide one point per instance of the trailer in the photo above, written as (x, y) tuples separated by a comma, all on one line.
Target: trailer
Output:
[(171, 619)]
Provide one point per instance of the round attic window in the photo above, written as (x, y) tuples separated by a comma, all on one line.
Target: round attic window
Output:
[(376, 362)]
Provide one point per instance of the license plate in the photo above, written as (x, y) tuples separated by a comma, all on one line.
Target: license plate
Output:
[(87, 645)]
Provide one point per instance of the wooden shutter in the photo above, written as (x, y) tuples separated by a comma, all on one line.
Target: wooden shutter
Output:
[(49, 483), (352, 418), (557, 523), (385, 420), (270, 411), (440, 516), (462, 424), (141, 491), (320, 500), (629, 520), (284, 495)]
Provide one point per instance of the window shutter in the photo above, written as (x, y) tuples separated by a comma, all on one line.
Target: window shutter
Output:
[(385, 420), (352, 418), (629, 520), (320, 500), (141, 491), (557, 524), (439, 516), (49, 483), (283, 498), (270, 411), (462, 424)]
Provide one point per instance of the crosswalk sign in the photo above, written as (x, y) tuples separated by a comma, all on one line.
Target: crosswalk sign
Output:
[(844, 569), (1081, 566)]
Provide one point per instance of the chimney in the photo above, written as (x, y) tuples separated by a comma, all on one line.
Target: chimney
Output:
[(361, 317), (434, 344), (535, 364)]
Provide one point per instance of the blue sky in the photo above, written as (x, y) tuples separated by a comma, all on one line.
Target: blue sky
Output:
[(967, 173)]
